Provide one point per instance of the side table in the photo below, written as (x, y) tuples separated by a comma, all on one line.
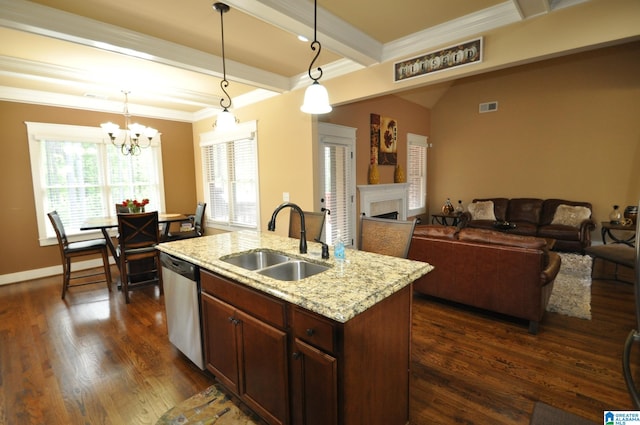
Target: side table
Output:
[(443, 219), (628, 232)]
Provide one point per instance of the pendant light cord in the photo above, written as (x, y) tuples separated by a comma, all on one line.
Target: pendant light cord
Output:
[(222, 8), (315, 43)]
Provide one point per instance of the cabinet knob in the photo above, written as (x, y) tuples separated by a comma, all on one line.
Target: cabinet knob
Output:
[(310, 332), (296, 355), (234, 321)]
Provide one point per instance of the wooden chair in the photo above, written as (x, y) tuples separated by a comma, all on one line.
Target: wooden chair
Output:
[(139, 259), (196, 220), (69, 250), (385, 236), (313, 222)]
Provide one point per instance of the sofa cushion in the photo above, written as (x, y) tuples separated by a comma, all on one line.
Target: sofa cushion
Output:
[(482, 210), (568, 215), (499, 207), (435, 231), (524, 210), (550, 206)]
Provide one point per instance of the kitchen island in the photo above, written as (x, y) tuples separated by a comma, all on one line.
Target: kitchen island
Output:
[(332, 348)]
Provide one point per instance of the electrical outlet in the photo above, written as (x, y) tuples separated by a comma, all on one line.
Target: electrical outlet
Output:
[(285, 196)]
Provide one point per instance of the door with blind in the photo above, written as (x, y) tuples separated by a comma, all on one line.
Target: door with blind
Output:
[(337, 181)]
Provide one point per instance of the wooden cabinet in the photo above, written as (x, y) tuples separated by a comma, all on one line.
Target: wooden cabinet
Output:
[(293, 366), (247, 354), (314, 370)]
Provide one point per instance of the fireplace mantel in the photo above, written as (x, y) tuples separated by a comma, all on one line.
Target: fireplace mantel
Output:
[(384, 198)]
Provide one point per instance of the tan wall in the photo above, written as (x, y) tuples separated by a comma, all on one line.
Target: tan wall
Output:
[(286, 150), (411, 119), (565, 128), (20, 248)]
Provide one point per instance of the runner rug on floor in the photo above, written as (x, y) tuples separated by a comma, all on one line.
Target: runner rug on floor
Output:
[(543, 414), (210, 406)]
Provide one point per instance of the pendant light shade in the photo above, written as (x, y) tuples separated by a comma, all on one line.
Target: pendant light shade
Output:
[(316, 98), (226, 121)]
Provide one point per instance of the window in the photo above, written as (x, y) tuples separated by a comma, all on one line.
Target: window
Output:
[(78, 172), (230, 173), (417, 173)]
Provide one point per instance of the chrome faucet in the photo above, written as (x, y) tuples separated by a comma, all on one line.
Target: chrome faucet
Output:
[(303, 232)]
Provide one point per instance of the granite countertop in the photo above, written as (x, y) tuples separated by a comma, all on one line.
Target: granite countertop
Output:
[(340, 293)]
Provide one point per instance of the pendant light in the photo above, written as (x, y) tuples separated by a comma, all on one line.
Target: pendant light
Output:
[(316, 98), (226, 120)]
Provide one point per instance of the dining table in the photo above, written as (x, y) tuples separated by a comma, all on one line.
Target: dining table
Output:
[(105, 223)]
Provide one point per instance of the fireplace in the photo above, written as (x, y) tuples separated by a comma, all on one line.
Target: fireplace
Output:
[(393, 215), (383, 199)]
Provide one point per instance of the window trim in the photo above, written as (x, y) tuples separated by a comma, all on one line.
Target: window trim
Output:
[(37, 132), (421, 141), (245, 130)]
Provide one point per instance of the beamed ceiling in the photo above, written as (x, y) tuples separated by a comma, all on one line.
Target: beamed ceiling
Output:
[(167, 53)]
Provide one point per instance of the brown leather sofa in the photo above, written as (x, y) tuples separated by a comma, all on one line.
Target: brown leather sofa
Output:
[(503, 273), (535, 217)]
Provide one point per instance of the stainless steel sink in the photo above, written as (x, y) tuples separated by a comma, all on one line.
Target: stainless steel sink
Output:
[(293, 270), (256, 260)]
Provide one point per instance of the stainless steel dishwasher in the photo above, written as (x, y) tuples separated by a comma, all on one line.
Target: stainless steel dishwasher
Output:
[(181, 281)]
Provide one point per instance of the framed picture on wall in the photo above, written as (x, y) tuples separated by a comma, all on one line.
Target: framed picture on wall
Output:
[(384, 140)]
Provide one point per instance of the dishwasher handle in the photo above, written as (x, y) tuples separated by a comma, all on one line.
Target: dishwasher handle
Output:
[(182, 267)]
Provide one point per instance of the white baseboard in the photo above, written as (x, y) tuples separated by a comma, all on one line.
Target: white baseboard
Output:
[(7, 279)]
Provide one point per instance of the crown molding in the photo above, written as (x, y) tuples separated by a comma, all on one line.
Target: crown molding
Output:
[(457, 29)]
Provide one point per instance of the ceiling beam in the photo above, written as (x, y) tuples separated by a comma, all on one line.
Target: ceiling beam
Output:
[(42, 20), (296, 17)]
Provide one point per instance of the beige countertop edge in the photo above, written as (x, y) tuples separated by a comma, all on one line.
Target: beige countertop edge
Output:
[(340, 293)]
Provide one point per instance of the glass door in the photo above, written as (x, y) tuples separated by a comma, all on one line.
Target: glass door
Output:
[(337, 181)]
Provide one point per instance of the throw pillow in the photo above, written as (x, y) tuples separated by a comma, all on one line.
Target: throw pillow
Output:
[(481, 210), (568, 215)]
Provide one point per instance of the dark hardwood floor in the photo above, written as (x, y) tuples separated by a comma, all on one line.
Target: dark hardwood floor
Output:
[(92, 359)]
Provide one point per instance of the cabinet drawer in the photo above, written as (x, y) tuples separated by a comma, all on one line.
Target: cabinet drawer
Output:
[(261, 306), (314, 330)]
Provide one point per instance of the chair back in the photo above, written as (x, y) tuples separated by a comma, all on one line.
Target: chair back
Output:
[(386, 236), (313, 223), (198, 218), (138, 230), (122, 209), (59, 229)]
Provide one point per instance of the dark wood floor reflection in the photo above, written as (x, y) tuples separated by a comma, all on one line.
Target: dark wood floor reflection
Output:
[(92, 359)]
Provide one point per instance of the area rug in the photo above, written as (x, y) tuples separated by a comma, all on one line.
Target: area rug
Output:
[(543, 414), (571, 293), (208, 406)]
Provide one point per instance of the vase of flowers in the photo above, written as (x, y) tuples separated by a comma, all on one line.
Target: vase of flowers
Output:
[(134, 205)]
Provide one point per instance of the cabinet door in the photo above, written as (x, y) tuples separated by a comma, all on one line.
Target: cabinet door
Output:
[(220, 341), (264, 384), (315, 380)]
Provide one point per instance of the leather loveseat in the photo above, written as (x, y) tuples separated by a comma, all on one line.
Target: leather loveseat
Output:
[(569, 223), (503, 273)]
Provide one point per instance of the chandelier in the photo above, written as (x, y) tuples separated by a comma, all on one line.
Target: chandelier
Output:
[(129, 144), (316, 98), (226, 120)]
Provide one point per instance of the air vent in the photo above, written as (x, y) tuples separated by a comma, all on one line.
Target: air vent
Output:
[(488, 107)]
